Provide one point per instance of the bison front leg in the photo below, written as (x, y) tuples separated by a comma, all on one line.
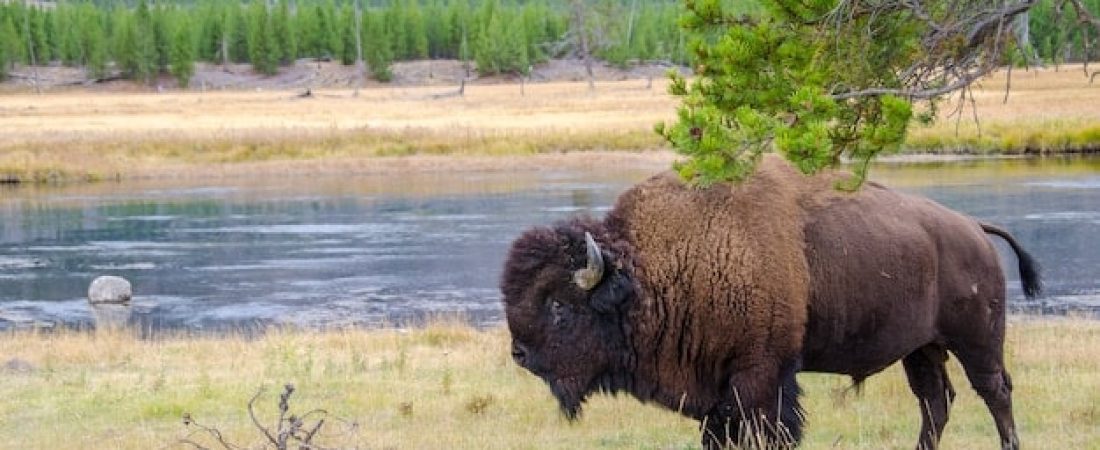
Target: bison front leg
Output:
[(762, 411), (929, 382)]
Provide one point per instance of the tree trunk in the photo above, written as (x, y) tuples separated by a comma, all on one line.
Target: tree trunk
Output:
[(359, 66), (580, 31), (630, 23), (1021, 25), (225, 51), (30, 46)]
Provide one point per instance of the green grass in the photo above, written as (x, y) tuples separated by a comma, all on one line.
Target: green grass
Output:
[(1007, 138), (449, 386), (100, 160)]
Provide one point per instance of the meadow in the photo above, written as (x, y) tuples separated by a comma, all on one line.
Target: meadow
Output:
[(446, 385), (86, 135)]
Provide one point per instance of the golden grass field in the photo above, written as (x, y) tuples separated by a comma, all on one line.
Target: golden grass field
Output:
[(450, 386), (87, 135)]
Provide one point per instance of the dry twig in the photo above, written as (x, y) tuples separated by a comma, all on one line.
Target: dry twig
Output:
[(290, 431)]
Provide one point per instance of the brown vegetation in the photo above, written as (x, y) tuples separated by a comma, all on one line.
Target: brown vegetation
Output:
[(106, 135)]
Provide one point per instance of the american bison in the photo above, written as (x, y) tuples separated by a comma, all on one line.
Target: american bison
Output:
[(710, 301)]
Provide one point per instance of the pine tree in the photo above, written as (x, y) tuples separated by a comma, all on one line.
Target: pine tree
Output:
[(487, 40), (162, 37), (417, 46), (10, 50), (820, 82), (310, 41), (376, 47), (398, 34), (124, 42), (285, 35), (643, 39), (262, 52), (50, 49), (146, 59), (93, 42), (458, 23), (435, 24), (38, 37), (535, 17), (212, 16), (70, 29), (133, 44), (183, 52), (17, 47), (329, 29), (238, 35), (347, 36), (513, 51)]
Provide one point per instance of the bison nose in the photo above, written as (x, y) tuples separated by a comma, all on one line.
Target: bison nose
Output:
[(519, 353)]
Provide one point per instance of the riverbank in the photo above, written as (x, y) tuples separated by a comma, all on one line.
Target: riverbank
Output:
[(72, 136), (450, 386)]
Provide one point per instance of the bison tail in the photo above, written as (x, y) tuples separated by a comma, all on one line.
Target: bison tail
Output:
[(1029, 268)]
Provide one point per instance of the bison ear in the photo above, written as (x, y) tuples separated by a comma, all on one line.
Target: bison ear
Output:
[(615, 290)]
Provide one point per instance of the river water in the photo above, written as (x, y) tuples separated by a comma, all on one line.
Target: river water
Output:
[(377, 250)]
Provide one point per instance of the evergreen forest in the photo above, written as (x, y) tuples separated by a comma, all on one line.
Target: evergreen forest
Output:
[(141, 39)]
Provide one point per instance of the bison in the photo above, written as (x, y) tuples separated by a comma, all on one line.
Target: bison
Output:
[(710, 301)]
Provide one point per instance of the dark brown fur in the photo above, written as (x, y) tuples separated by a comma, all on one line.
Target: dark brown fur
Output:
[(714, 299)]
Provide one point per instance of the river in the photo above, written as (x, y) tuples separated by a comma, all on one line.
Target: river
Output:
[(386, 250)]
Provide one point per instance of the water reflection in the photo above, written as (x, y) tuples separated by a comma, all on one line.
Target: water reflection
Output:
[(331, 251)]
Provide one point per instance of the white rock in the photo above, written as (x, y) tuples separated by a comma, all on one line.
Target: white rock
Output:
[(110, 289)]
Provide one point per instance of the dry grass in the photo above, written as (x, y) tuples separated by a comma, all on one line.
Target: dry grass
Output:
[(95, 136), (74, 135), (1047, 110), (449, 386)]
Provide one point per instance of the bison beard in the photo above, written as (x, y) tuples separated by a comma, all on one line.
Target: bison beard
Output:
[(710, 301), (570, 396)]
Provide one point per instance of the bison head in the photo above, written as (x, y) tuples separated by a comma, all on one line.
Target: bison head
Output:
[(565, 299)]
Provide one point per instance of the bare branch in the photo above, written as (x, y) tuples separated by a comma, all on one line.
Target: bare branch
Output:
[(217, 434), (919, 94), (255, 421), (974, 109), (995, 19), (963, 41), (292, 431)]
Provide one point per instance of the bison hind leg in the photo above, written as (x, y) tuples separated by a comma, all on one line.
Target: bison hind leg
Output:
[(929, 382), (985, 369), (791, 415)]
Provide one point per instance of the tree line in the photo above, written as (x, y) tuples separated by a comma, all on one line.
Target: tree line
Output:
[(1053, 41), (143, 40)]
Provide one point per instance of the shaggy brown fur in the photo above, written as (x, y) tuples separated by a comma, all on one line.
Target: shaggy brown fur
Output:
[(713, 299)]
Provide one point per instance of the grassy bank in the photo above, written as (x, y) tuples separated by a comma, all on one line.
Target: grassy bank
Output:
[(92, 136), (1046, 111), (449, 386)]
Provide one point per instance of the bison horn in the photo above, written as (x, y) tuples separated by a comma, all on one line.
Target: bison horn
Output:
[(588, 277)]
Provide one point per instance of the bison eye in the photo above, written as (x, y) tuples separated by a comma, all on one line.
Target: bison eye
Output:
[(557, 311)]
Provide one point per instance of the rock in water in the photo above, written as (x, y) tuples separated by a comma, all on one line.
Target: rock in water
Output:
[(110, 289), (110, 297)]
